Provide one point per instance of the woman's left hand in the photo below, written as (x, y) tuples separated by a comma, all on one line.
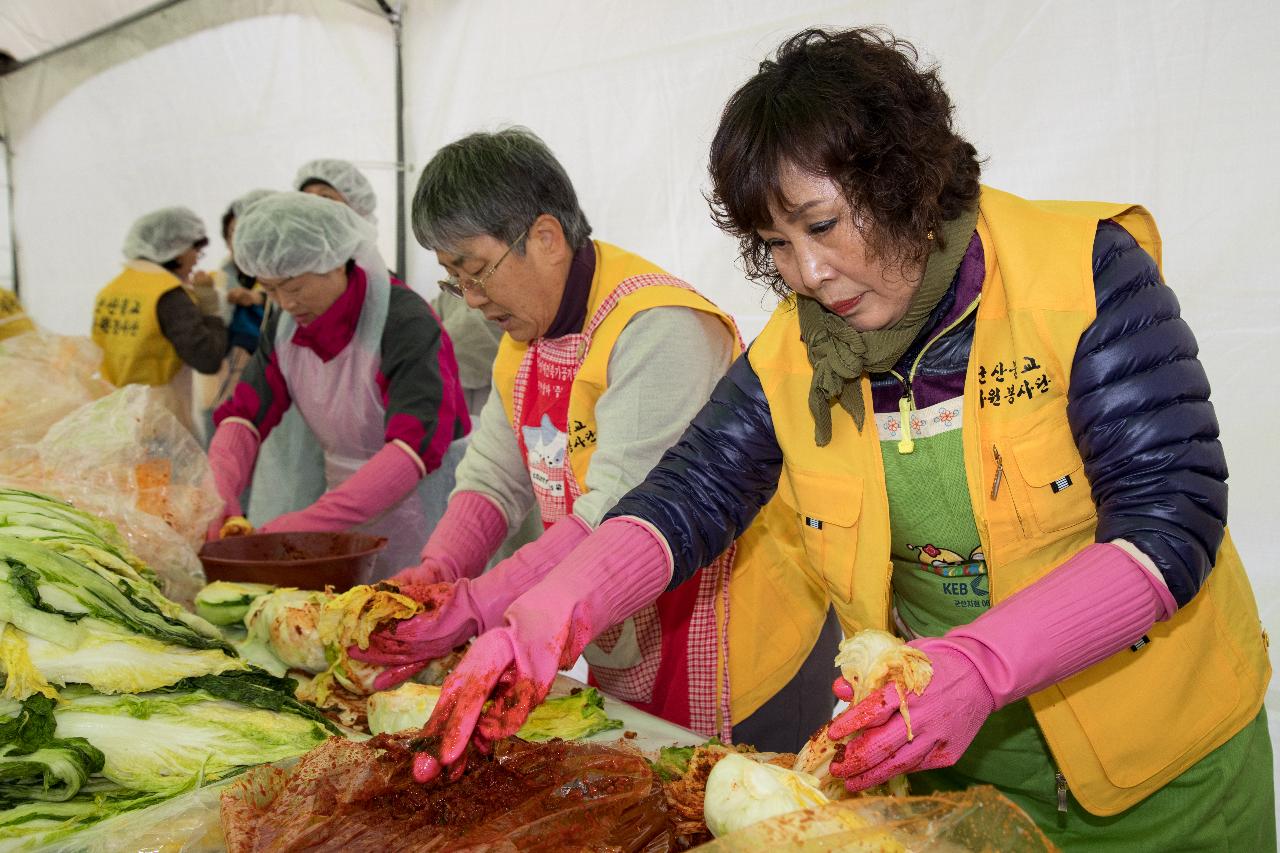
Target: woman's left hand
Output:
[(945, 719)]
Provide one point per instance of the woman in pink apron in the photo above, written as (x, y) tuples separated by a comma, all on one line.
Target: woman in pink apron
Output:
[(366, 365), (604, 360)]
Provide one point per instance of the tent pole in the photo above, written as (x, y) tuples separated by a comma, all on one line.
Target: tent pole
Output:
[(13, 229), (397, 24)]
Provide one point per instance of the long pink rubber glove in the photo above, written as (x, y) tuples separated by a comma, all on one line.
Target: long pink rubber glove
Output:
[(467, 535), (378, 485), (612, 574), (462, 610), (1095, 604), (232, 454)]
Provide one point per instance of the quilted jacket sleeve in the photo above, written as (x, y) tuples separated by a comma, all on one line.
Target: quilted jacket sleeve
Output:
[(705, 490), (1138, 405)]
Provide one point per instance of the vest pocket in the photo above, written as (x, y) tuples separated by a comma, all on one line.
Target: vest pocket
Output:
[(826, 508), (1143, 711), (1046, 474)]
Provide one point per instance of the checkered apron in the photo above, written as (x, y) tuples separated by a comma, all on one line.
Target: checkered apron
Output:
[(629, 660)]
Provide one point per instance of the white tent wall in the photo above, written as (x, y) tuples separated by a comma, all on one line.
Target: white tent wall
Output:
[(196, 121), (1167, 104), (6, 241)]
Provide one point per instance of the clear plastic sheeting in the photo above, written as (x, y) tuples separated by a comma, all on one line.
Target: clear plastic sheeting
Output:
[(126, 458), (979, 819), (46, 378)]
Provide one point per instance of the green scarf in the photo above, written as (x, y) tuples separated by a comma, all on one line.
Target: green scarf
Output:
[(840, 354)]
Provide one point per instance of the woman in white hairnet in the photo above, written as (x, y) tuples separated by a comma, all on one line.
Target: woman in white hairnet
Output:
[(240, 305), (340, 181), (475, 339), (158, 319), (366, 364), (290, 471)]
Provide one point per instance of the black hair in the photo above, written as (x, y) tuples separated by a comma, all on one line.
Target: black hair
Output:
[(853, 106)]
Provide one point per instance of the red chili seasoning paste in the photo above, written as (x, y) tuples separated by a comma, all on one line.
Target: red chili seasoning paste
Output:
[(362, 797)]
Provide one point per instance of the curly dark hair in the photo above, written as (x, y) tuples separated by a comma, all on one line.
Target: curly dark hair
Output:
[(855, 107)]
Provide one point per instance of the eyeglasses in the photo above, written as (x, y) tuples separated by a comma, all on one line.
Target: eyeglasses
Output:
[(459, 285)]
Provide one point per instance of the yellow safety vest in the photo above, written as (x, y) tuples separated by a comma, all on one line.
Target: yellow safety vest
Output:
[(125, 325), (767, 643), (13, 320), (1131, 723)]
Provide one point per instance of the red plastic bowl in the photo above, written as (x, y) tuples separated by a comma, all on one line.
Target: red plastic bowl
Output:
[(305, 560)]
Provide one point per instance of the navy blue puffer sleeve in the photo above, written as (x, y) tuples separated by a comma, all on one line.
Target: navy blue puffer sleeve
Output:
[(1139, 409), (706, 490)]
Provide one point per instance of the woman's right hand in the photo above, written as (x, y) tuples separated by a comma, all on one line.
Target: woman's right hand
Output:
[(244, 297), (450, 617)]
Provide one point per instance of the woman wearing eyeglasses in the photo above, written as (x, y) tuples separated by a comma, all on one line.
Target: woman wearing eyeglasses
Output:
[(366, 364), (604, 360), (159, 319)]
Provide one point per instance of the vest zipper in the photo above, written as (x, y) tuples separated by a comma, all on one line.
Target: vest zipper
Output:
[(995, 487), (995, 484), (1062, 790), (907, 404)]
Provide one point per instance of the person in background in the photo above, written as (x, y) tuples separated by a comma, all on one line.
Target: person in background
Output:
[(289, 475), (340, 181), (158, 319), (243, 295), (604, 360), (241, 305), (992, 428), (13, 319), (366, 364), (475, 338)]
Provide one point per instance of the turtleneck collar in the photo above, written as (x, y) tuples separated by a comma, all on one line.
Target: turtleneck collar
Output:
[(329, 334), (572, 314)]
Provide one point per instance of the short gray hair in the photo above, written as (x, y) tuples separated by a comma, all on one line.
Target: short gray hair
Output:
[(494, 184)]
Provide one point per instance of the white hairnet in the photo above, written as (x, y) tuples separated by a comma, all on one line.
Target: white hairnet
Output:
[(162, 235), (241, 204), (289, 233), (343, 177)]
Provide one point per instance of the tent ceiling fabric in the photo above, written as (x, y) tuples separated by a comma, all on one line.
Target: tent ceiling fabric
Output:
[(37, 29), (32, 27), (29, 28)]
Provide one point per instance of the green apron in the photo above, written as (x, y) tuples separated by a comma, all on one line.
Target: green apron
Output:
[(1224, 802)]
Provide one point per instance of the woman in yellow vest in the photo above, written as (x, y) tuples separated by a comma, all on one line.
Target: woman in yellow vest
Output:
[(604, 360), (158, 319), (988, 423), (13, 320)]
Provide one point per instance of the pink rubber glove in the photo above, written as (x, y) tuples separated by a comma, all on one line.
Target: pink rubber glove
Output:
[(232, 454), (462, 610), (467, 535), (1095, 604), (612, 574), (380, 484)]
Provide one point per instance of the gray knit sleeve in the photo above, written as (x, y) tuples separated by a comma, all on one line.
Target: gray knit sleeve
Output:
[(493, 465)]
